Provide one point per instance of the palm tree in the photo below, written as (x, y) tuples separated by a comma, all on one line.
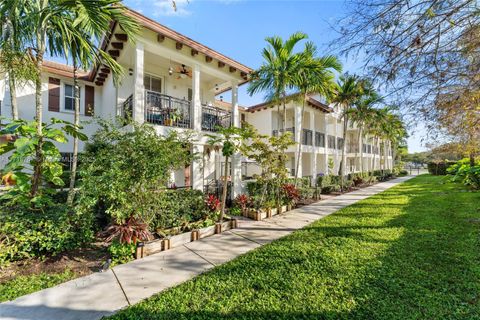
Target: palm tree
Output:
[(315, 75), (85, 54), (376, 128), (276, 75), (13, 59), (48, 29), (394, 132), (349, 90), (362, 113)]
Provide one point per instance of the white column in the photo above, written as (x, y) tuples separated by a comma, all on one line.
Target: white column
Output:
[(197, 167), (326, 142), (237, 158), (196, 100), (298, 139), (313, 157), (139, 92)]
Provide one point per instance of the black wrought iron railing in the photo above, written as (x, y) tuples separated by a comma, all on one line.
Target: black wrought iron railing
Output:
[(165, 110), (307, 137), (213, 118), (127, 108), (275, 133), (319, 139)]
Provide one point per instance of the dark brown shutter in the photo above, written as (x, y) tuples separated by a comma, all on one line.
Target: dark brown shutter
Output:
[(89, 100), (53, 94)]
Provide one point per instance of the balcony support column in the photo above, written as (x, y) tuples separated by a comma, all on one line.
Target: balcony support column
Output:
[(327, 150), (139, 89), (196, 106), (313, 157), (237, 157), (298, 139), (197, 167)]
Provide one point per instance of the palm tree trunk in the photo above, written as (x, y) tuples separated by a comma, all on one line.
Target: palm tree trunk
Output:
[(374, 153), (37, 167), (299, 149), (344, 147), (284, 120), (360, 145), (224, 191), (76, 121), (13, 95)]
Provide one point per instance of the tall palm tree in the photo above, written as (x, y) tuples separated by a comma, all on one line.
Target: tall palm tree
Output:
[(376, 129), (277, 73), (349, 90), (48, 29), (84, 54), (362, 113), (315, 75), (394, 133), (13, 60)]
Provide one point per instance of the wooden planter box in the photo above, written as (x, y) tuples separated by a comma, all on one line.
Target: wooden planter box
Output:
[(257, 215), (178, 240)]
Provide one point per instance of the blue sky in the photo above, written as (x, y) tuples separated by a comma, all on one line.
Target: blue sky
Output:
[(237, 28)]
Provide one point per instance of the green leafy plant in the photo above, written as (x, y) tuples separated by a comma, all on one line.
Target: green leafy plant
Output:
[(121, 252), (122, 171), (23, 159)]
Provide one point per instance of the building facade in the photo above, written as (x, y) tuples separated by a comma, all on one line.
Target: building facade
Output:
[(172, 82)]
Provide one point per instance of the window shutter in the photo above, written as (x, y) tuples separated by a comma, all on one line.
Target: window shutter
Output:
[(89, 100), (53, 94)]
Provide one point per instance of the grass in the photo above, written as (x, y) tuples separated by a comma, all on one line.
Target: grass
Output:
[(412, 252), (22, 285)]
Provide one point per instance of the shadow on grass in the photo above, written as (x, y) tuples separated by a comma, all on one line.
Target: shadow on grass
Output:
[(374, 260)]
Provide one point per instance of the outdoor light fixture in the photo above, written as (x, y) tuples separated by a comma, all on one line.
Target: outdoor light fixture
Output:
[(216, 87), (130, 72), (170, 70)]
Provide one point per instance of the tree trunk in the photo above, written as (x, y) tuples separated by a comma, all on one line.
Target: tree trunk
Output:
[(13, 95), (360, 145), (299, 149), (37, 167), (76, 121), (472, 159), (284, 120), (224, 191), (374, 154), (344, 147)]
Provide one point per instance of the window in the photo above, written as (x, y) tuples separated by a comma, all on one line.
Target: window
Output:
[(319, 139), (152, 83), (331, 142), (69, 98), (340, 143)]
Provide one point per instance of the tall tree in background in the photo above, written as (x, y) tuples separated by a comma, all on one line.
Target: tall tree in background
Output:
[(362, 115), (417, 50), (315, 75), (349, 90), (276, 76), (13, 60)]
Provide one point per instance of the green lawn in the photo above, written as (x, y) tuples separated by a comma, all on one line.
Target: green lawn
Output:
[(22, 285), (412, 252)]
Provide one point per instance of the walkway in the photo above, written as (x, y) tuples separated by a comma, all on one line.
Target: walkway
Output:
[(101, 294)]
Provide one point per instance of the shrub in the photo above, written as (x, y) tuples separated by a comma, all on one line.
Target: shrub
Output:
[(26, 234), (178, 207), (243, 202), (123, 170), (439, 167), (121, 252), (291, 193), (466, 174)]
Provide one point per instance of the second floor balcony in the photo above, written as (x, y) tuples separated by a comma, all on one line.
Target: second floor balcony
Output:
[(165, 110)]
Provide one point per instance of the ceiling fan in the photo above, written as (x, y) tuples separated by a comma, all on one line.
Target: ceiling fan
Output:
[(182, 71)]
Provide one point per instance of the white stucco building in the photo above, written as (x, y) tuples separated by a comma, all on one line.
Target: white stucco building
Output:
[(172, 82)]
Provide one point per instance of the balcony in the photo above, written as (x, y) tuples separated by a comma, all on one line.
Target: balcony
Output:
[(307, 137), (352, 148), (165, 110), (291, 130), (213, 118)]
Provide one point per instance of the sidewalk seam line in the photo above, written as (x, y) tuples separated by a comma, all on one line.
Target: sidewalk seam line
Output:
[(200, 256), (121, 287), (232, 231)]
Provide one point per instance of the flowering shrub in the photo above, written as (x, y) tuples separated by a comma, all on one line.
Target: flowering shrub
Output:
[(212, 202)]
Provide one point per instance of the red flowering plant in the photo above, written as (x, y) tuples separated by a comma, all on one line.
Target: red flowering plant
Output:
[(212, 203), (291, 193), (131, 231), (244, 202)]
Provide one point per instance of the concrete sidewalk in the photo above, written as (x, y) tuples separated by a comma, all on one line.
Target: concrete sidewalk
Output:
[(101, 294)]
